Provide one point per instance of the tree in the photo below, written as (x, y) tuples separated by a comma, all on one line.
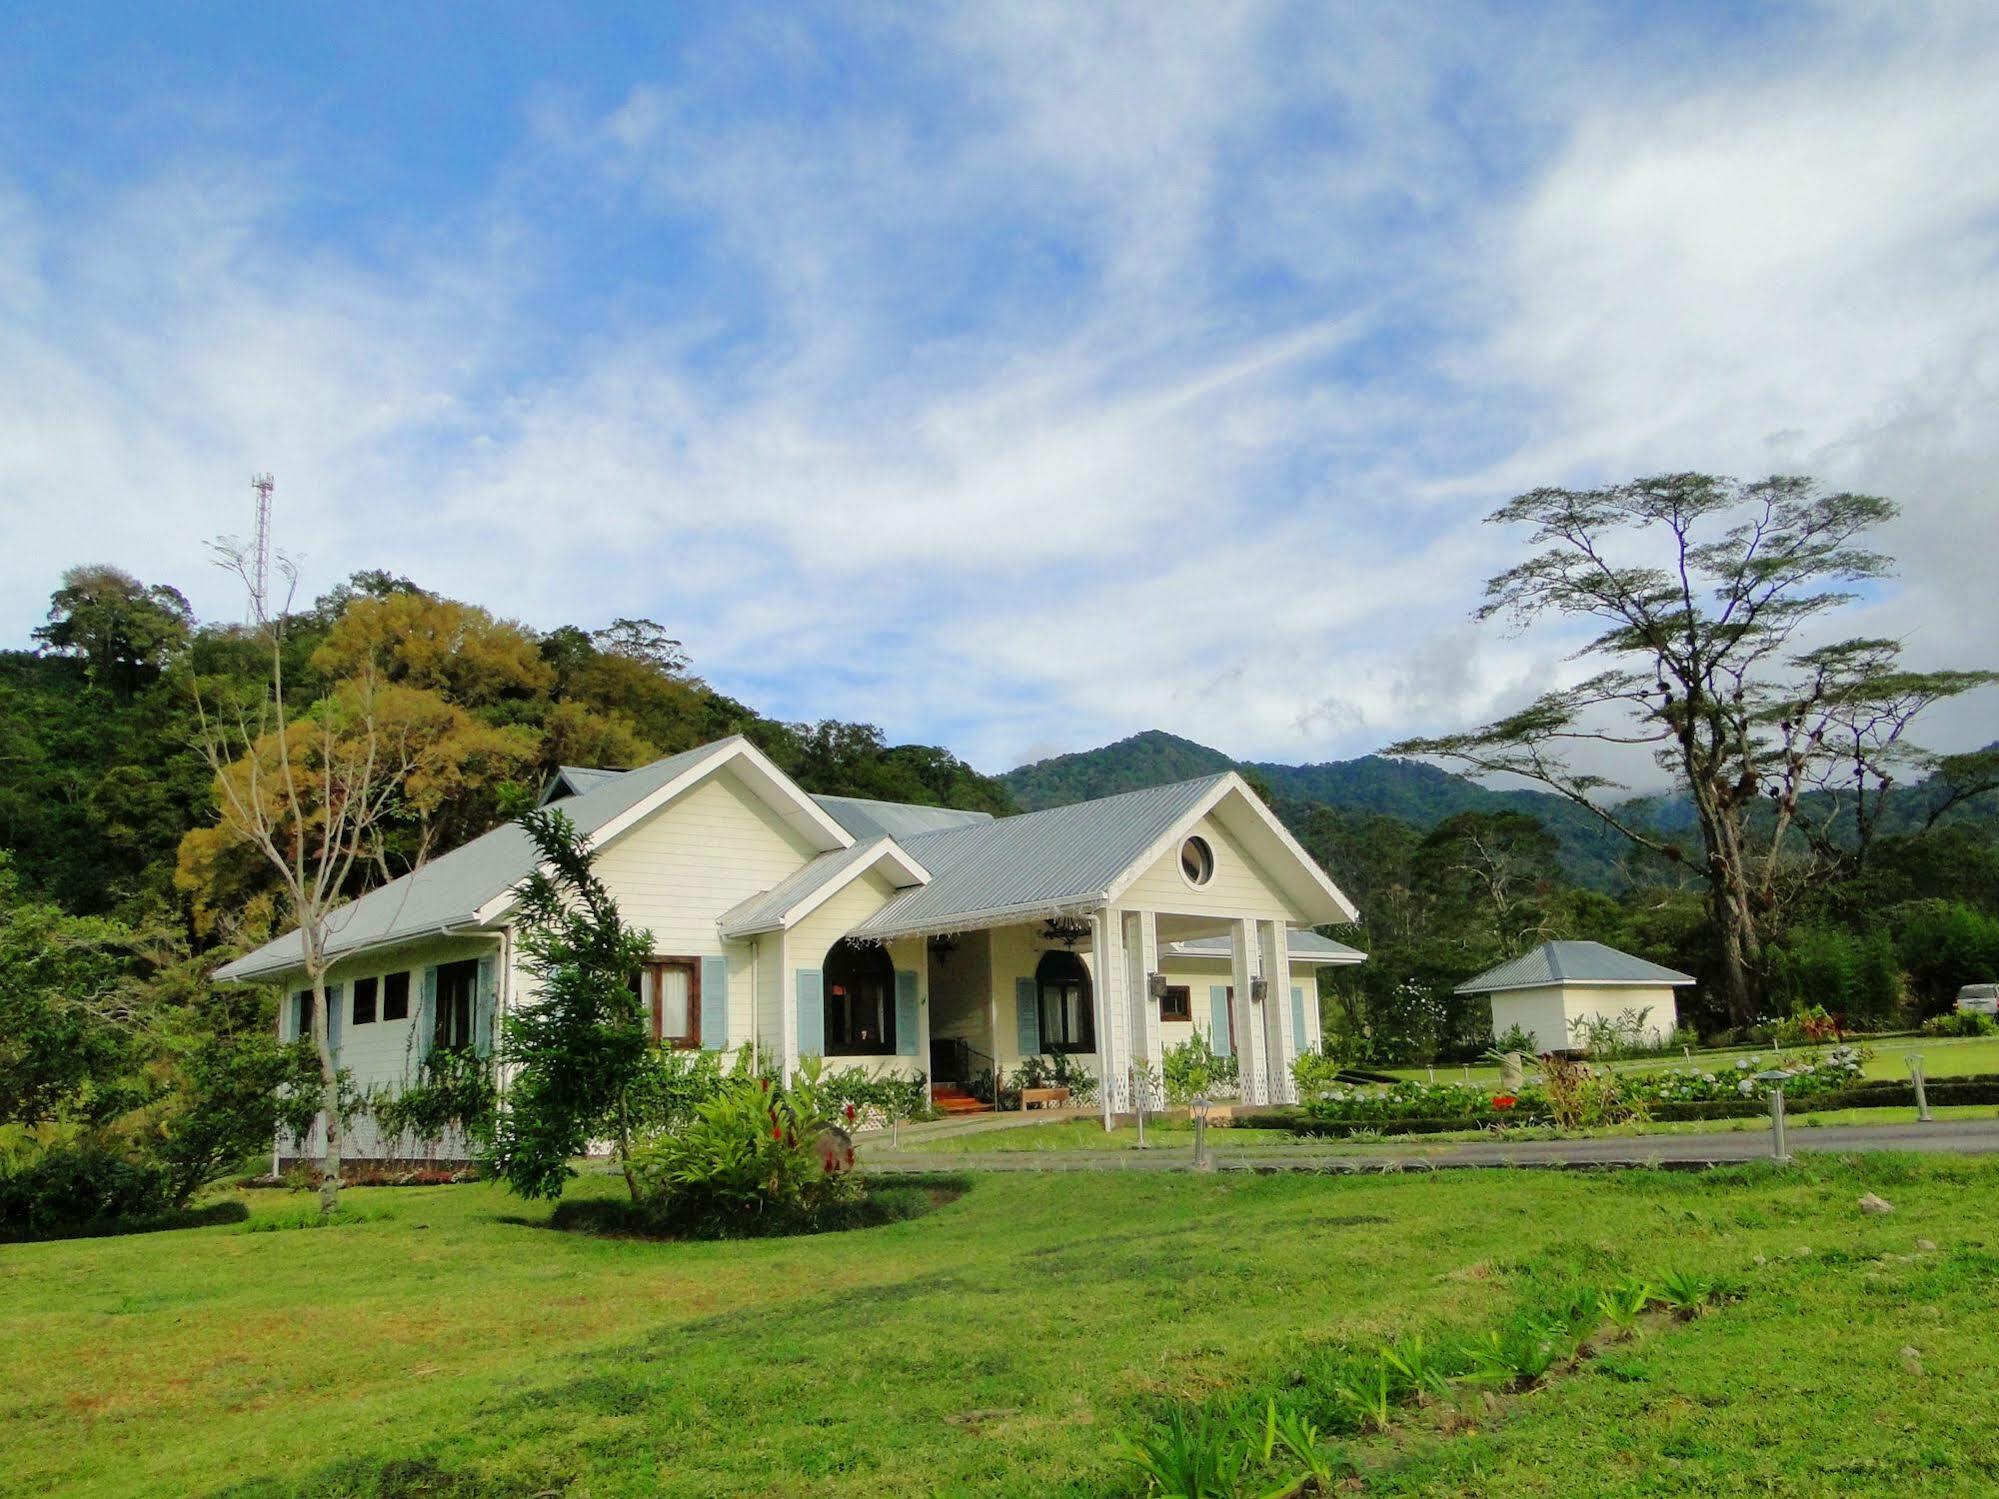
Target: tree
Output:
[(418, 639), (1785, 752), (645, 641), (124, 631), (310, 794), (582, 1051)]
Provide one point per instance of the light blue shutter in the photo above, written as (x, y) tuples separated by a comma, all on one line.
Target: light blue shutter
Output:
[(1218, 1008), (484, 999), (715, 1004), (1298, 1041), (811, 1012), (426, 1015), (293, 1027), (1027, 1016), (906, 1021), (334, 1015)]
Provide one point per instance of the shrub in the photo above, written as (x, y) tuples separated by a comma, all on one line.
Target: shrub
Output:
[(1315, 1073), (1581, 1097), (1961, 1023), (1516, 1037), (454, 1090), (56, 1179), (1193, 1068), (1058, 1070), (757, 1157)]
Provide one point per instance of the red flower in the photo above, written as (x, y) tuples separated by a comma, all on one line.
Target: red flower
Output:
[(850, 1111), (1504, 1100), (776, 1133)]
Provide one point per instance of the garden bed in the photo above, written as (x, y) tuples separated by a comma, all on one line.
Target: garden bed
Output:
[(880, 1201), (1879, 1094)]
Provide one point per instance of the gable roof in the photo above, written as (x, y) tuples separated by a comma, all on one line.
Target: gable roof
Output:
[(574, 780), (473, 885), (802, 892), (1306, 947), (865, 818), (1572, 963)]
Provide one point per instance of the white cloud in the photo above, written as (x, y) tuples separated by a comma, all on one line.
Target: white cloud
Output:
[(1161, 378)]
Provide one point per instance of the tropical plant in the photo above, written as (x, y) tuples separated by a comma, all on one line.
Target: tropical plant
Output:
[(1624, 1303), (1516, 1356), (581, 1052), (1323, 1465), (1423, 1371), (1369, 1387), (1686, 1293), (1195, 1455)]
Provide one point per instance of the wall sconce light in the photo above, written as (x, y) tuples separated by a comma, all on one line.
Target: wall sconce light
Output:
[(1259, 990), (1155, 986)]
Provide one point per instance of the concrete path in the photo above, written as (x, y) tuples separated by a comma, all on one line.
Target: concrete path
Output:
[(1943, 1137)]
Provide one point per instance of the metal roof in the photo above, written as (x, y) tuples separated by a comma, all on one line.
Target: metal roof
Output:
[(872, 819), (1306, 947), (1571, 963), (448, 890), (1044, 862), (766, 910), (574, 780)]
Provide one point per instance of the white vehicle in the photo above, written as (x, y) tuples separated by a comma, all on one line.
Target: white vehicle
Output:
[(1978, 999)]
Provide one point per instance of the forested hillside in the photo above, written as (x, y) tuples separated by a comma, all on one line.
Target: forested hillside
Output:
[(106, 804)]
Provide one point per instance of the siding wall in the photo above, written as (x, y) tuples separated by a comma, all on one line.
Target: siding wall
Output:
[(1239, 886), (808, 943), (678, 871), (1202, 974), (1549, 1011)]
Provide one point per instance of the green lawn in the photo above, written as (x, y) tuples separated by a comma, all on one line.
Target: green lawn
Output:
[(1943, 1056), (1176, 1134), (1004, 1343)]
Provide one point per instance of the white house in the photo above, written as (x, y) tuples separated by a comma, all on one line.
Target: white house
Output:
[(1551, 991), (869, 933)]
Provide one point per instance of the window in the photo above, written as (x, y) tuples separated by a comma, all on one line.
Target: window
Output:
[(1197, 861), (1177, 1003), (671, 988), (302, 1014), (457, 985), (860, 1000), (364, 1000), (396, 996), (1067, 1023)]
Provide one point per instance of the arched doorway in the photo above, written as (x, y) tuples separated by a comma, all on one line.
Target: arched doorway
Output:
[(860, 1000)]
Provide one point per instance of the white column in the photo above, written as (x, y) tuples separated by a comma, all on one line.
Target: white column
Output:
[(1142, 952), (1281, 1044), (787, 1005), (1113, 1011), (1247, 1040)]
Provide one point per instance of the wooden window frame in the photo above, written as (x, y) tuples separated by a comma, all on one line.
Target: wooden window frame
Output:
[(655, 996), (1185, 1011), (396, 996), (372, 985)]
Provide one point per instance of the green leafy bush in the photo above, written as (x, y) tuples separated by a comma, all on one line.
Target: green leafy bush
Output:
[(1961, 1023), (1192, 1068), (757, 1157), (59, 1178), (1058, 1070), (454, 1090)]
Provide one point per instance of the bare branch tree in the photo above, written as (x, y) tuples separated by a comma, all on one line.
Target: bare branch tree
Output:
[(307, 791)]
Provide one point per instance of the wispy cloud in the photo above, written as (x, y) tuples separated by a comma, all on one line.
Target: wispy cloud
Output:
[(1022, 377)]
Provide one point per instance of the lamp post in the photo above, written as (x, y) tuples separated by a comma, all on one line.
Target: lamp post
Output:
[(1777, 1080), (1201, 1161), (1915, 1061), (1139, 1073)]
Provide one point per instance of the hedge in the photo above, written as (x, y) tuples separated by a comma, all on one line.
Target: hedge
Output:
[(1881, 1093)]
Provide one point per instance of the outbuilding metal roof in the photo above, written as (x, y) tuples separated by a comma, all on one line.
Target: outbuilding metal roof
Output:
[(1041, 863), (871, 819), (1306, 947), (1571, 963), (450, 889)]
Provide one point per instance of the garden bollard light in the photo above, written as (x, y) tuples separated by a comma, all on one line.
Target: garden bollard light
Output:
[(1777, 1080), (1138, 1097), (1915, 1061), (1201, 1161)]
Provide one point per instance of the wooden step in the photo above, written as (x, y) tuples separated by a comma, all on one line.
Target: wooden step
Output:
[(950, 1099)]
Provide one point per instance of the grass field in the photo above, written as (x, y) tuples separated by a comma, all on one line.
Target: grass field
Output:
[(448, 1344), (1943, 1056)]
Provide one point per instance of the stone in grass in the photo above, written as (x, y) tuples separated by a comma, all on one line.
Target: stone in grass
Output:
[(1876, 1205), (1912, 1360), (1926, 1246)]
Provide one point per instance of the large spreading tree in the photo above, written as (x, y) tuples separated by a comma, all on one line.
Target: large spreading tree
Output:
[(1715, 650)]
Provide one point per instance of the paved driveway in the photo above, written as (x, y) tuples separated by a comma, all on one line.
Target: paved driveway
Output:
[(1944, 1137)]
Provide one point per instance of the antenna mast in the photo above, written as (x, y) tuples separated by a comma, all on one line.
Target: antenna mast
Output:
[(260, 559)]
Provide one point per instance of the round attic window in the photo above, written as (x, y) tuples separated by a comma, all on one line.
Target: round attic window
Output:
[(1197, 861)]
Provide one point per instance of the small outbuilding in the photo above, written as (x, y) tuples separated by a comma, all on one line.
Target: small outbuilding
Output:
[(1551, 991)]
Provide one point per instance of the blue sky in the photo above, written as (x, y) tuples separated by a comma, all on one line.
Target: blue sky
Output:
[(1016, 377)]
